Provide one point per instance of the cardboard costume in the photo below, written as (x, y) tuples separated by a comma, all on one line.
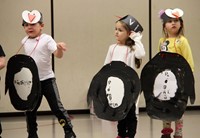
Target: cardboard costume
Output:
[(113, 90), (167, 82), (132, 23), (31, 17), (22, 82), (2, 54), (168, 14)]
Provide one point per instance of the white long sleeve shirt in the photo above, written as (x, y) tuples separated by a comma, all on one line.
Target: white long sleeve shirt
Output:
[(125, 54)]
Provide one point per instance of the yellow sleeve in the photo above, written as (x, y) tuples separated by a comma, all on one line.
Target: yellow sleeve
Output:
[(159, 44), (186, 52)]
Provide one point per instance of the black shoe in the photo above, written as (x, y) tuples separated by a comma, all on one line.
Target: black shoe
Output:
[(166, 136), (33, 135), (70, 134)]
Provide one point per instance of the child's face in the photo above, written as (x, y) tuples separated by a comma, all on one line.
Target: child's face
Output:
[(172, 27), (121, 33), (33, 30)]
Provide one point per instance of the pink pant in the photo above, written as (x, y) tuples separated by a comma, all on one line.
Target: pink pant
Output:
[(178, 126)]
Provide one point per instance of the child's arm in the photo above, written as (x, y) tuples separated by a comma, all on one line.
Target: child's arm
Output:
[(187, 53), (2, 62), (108, 56), (2, 58), (139, 51), (61, 46)]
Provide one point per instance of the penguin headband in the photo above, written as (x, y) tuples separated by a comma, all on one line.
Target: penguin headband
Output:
[(132, 23), (31, 17), (168, 14)]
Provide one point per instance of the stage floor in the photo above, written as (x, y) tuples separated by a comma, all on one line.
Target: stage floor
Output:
[(89, 126)]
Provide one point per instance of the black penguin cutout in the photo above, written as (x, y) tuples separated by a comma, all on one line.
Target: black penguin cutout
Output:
[(113, 90), (167, 82), (22, 82)]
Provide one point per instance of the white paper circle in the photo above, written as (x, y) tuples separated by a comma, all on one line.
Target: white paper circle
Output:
[(23, 83), (174, 13), (115, 91), (31, 17), (165, 85)]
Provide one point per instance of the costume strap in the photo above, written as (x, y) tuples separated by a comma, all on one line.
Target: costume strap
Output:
[(126, 59), (34, 47)]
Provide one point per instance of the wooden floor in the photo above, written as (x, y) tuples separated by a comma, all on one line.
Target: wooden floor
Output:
[(88, 126)]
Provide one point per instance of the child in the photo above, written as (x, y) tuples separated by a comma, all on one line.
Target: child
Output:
[(2, 65), (174, 41), (128, 49), (2, 58), (40, 47)]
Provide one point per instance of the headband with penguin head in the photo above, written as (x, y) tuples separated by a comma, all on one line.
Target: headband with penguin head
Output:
[(31, 17), (132, 23), (168, 14)]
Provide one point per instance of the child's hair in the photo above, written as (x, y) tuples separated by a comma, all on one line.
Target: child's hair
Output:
[(180, 31), (131, 43)]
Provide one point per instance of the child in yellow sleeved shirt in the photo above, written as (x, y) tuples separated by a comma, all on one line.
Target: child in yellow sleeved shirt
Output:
[(175, 42)]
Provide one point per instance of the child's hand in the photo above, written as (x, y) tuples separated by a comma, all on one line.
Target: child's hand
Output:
[(135, 36), (61, 46), (132, 34)]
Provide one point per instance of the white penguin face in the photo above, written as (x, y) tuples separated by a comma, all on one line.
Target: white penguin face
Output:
[(114, 91), (165, 85), (23, 83)]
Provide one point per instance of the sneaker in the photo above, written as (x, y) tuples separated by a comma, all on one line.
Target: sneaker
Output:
[(178, 136), (33, 135), (70, 134), (167, 131), (166, 136)]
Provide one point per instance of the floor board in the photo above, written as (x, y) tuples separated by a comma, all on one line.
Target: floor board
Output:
[(89, 126)]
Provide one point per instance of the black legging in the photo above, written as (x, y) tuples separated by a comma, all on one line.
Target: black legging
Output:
[(50, 91), (128, 126)]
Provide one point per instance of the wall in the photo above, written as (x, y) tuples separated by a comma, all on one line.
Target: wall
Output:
[(88, 29)]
